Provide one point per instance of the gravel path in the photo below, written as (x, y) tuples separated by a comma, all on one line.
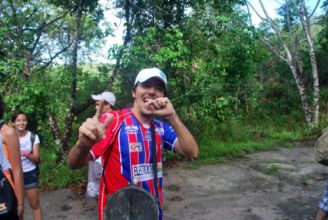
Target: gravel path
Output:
[(283, 184)]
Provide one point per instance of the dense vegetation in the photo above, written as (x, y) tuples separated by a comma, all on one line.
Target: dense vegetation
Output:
[(239, 88)]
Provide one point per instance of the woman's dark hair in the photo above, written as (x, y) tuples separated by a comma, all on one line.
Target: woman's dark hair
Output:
[(14, 116)]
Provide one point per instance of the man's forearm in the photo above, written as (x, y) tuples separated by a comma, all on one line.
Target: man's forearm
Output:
[(78, 157), (187, 144)]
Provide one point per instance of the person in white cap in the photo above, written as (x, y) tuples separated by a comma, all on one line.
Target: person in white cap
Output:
[(95, 167), (131, 139), (108, 98)]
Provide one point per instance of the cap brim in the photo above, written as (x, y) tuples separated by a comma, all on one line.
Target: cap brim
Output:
[(96, 97), (157, 77)]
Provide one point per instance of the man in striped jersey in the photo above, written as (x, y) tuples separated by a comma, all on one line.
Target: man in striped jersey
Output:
[(126, 148)]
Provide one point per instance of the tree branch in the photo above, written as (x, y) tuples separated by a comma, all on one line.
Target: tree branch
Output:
[(315, 8), (44, 26), (249, 15), (256, 12), (273, 49), (46, 64)]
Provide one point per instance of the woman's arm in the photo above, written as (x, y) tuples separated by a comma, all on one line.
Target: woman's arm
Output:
[(34, 155), (10, 138)]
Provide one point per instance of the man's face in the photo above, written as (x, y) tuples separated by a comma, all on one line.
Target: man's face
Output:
[(106, 107), (151, 89)]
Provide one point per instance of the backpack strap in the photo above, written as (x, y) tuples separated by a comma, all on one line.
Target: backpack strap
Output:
[(155, 170), (32, 138)]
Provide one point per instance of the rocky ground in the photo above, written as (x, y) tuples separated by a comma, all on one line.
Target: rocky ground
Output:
[(286, 183)]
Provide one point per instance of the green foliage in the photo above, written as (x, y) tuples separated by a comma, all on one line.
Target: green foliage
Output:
[(54, 176), (207, 62), (273, 169), (225, 85), (323, 45), (236, 140)]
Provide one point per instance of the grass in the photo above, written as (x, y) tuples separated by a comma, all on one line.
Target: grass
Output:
[(60, 176), (238, 140), (273, 169), (56, 176)]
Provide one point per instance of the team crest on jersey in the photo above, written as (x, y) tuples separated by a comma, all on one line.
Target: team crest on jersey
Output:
[(131, 129), (135, 147)]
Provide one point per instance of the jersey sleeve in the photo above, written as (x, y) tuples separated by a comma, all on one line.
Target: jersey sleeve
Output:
[(37, 139), (105, 116), (100, 147), (169, 137)]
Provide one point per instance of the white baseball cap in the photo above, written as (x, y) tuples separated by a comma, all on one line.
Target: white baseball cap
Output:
[(107, 96), (146, 74)]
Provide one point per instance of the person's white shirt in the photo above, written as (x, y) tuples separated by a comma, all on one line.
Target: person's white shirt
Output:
[(25, 144), (4, 163), (94, 176)]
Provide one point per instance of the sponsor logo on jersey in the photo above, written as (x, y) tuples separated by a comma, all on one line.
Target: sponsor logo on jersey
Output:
[(160, 168), (144, 172), (160, 131), (131, 129), (135, 147)]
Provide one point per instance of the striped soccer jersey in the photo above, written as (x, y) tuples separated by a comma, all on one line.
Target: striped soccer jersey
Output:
[(130, 159)]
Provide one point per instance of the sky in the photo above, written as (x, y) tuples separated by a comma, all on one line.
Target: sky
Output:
[(272, 5), (101, 55)]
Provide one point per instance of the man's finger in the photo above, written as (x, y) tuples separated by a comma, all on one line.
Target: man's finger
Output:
[(99, 110)]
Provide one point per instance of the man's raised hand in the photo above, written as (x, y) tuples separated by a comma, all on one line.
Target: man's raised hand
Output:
[(92, 131), (161, 107)]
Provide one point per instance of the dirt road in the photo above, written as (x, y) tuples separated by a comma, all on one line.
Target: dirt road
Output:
[(273, 185)]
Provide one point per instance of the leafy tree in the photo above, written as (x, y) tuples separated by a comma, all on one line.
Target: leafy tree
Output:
[(208, 58), (285, 42), (35, 34), (27, 31), (323, 42)]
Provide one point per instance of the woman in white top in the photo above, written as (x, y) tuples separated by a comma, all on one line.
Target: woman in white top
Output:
[(30, 156)]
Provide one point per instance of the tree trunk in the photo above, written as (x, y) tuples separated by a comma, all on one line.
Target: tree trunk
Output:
[(316, 88), (55, 132), (302, 91), (293, 59), (72, 101)]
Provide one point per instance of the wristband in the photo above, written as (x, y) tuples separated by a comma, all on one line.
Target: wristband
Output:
[(26, 153)]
